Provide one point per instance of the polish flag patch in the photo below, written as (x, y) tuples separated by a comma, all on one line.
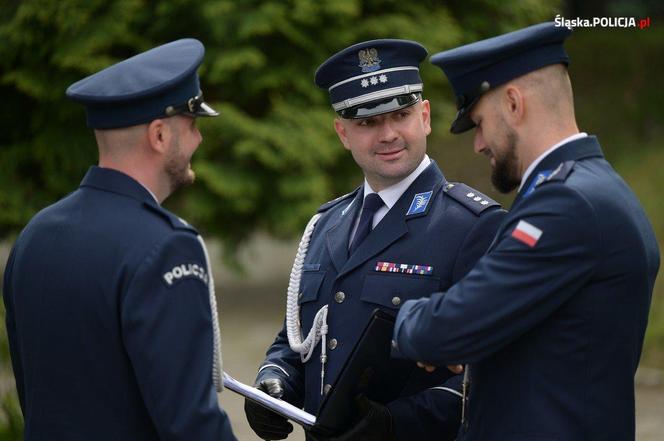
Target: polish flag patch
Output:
[(527, 233)]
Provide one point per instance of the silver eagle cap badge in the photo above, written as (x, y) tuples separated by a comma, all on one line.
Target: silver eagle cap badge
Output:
[(369, 61)]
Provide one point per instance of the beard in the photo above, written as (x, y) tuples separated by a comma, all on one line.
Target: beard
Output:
[(177, 167), (505, 175)]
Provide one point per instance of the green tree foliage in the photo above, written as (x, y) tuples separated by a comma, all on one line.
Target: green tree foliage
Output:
[(11, 420), (272, 157)]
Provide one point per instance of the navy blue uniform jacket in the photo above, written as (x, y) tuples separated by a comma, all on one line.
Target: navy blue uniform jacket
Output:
[(450, 235), (109, 320), (553, 329)]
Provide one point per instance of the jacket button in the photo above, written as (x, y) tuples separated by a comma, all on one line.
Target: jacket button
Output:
[(396, 301), (299, 296), (332, 344), (339, 297), (327, 388)]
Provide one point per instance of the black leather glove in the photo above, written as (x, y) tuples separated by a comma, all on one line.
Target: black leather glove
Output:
[(374, 424), (267, 424)]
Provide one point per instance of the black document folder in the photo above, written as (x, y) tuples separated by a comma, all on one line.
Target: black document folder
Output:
[(370, 371)]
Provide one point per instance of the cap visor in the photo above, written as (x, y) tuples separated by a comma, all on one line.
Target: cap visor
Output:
[(205, 110), (374, 108), (462, 123)]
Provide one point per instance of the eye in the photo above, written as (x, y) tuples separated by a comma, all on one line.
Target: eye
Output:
[(401, 115), (366, 122)]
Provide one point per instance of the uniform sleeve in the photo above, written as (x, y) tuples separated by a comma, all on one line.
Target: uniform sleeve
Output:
[(546, 253), (435, 413), (10, 323), (282, 362), (167, 330)]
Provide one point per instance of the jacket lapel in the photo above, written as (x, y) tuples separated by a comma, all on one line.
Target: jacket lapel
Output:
[(336, 237)]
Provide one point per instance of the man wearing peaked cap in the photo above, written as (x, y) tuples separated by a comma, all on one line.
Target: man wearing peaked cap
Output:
[(550, 322), (111, 314), (402, 234)]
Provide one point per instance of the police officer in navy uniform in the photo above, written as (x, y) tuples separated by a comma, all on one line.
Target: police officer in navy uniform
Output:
[(551, 320), (110, 302), (404, 233)]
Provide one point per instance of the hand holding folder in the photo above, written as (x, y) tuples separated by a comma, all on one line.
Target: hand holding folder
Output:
[(274, 404), (266, 423), (369, 370), (374, 423)]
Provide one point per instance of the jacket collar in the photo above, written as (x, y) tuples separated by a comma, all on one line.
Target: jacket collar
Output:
[(391, 228), (108, 179), (586, 147)]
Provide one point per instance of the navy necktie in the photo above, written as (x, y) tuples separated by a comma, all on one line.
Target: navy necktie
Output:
[(372, 202)]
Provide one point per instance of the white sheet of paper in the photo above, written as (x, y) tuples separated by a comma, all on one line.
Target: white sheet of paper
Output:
[(279, 406)]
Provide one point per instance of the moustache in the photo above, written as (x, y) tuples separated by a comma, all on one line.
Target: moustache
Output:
[(391, 149)]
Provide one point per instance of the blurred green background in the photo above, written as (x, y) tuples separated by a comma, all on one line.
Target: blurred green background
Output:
[(272, 157)]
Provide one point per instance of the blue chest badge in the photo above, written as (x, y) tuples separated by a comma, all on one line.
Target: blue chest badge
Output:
[(420, 202)]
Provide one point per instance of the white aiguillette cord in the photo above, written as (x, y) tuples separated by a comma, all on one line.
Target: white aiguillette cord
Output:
[(318, 330), (217, 367)]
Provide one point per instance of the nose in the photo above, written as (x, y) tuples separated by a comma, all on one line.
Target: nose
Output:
[(478, 142), (387, 134)]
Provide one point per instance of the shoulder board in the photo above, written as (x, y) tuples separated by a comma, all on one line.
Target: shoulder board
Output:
[(560, 174), (177, 222), (327, 205), (470, 198)]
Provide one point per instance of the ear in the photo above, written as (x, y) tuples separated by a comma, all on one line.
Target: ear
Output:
[(340, 128), (426, 116), (159, 135), (513, 105)]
